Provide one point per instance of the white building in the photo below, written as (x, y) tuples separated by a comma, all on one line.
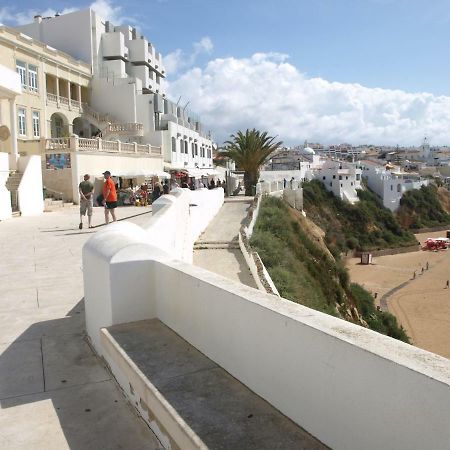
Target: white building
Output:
[(390, 185), (341, 178), (127, 87)]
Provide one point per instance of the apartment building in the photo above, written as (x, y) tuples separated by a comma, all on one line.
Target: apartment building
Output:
[(127, 87)]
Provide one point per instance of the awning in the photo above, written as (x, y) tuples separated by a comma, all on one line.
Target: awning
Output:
[(140, 173), (210, 172), (196, 173)]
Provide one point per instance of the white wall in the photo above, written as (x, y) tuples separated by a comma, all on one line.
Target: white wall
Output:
[(348, 386), (5, 195), (70, 33), (31, 199)]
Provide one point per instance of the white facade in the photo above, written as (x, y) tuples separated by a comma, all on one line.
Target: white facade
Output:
[(341, 178), (127, 84), (389, 186), (9, 89)]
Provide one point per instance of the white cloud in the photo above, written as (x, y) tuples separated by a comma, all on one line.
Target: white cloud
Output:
[(178, 59), (266, 92)]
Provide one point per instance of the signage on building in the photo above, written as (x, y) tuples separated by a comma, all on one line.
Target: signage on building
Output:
[(57, 161)]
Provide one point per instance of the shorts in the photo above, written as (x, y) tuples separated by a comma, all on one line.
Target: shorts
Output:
[(86, 205), (111, 205)]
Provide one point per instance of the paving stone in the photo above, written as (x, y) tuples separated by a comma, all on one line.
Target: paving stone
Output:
[(68, 361)]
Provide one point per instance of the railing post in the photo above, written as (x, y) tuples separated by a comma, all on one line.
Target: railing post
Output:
[(99, 144), (135, 147), (73, 142), (119, 145), (149, 149)]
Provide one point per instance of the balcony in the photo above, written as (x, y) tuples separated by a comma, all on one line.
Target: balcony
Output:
[(77, 144), (63, 102)]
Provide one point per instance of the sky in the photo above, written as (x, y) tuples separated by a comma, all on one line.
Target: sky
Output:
[(330, 71)]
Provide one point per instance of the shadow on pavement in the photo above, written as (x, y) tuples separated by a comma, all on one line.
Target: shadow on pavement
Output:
[(51, 360)]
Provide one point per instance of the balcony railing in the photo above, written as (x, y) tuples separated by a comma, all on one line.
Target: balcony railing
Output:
[(125, 129), (77, 144), (63, 102)]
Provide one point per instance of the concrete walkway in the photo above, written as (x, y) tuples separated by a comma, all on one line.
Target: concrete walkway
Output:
[(54, 392), (217, 248)]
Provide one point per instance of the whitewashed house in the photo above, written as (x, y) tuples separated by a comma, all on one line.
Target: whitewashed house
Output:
[(388, 184), (343, 179)]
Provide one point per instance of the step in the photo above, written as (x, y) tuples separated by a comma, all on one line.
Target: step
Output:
[(201, 246), (190, 401)]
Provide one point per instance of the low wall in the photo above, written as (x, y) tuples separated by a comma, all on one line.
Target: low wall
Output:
[(389, 251), (294, 198), (350, 387), (31, 200)]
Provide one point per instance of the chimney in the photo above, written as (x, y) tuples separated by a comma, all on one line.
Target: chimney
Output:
[(38, 18)]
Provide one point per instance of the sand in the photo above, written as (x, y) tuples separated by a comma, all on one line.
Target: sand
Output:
[(422, 305)]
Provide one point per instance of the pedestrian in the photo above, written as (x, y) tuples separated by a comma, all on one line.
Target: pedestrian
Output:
[(448, 284), (109, 197), (219, 183), (157, 191), (284, 183), (422, 269), (86, 190), (427, 265), (166, 187), (414, 275), (212, 185)]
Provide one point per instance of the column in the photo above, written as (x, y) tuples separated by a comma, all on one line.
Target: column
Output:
[(68, 95), (13, 124), (79, 96), (57, 91)]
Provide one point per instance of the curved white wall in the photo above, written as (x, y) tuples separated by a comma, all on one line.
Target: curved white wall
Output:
[(31, 200)]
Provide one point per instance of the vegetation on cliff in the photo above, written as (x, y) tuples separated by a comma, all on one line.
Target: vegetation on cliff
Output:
[(424, 207), (366, 225), (305, 272)]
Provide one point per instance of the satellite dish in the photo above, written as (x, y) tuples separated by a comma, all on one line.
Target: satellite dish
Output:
[(4, 133)]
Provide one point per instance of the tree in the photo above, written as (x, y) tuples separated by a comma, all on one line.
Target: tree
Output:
[(250, 150)]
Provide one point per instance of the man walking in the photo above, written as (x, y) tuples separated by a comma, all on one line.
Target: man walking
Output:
[(86, 190), (109, 197)]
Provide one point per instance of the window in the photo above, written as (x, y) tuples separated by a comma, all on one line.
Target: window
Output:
[(196, 150), (323, 178), (357, 177), (21, 113), (32, 78), (193, 149), (174, 144), (340, 177), (334, 177), (21, 68), (36, 124), (186, 147)]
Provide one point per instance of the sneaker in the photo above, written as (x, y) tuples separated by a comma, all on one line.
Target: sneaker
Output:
[(80, 227)]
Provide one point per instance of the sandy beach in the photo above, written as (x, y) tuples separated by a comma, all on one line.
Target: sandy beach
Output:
[(422, 304)]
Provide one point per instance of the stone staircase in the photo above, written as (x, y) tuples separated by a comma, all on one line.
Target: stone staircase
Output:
[(12, 184)]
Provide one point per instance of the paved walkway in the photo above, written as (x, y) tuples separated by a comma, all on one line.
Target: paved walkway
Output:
[(217, 248), (54, 392)]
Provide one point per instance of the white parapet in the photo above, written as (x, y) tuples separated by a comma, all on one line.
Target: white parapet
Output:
[(350, 387)]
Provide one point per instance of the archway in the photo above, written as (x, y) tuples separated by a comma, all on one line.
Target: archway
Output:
[(59, 126)]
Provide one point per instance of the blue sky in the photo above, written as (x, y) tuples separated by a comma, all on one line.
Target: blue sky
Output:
[(399, 45)]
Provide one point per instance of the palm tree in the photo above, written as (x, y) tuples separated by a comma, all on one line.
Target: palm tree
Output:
[(250, 150)]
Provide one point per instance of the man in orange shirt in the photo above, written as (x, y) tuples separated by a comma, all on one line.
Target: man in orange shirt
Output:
[(109, 197)]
